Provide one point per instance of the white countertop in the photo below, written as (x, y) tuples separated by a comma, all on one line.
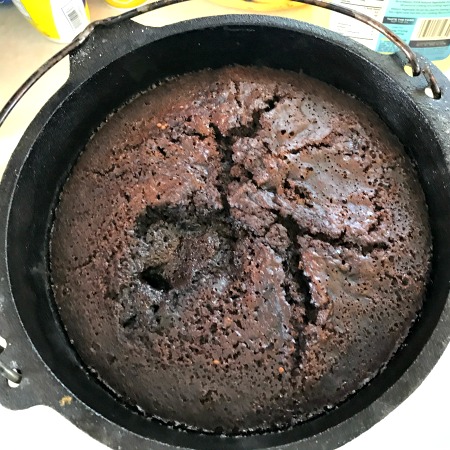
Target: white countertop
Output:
[(421, 422)]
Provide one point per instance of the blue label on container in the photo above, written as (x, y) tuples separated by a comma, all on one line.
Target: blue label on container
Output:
[(424, 24)]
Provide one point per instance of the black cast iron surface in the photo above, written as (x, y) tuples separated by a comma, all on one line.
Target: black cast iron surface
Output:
[(108, 70)]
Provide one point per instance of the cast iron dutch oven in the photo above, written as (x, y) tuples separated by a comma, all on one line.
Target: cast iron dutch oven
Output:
[(122, 58)]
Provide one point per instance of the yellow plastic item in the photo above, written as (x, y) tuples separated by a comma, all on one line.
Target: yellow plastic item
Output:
[(125, 3), (59, 20), (259, 5)]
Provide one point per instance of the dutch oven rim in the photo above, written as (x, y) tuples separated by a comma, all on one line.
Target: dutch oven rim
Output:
[(41, 379)]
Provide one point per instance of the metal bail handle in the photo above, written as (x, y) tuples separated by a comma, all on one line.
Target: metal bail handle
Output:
[(81, 38)]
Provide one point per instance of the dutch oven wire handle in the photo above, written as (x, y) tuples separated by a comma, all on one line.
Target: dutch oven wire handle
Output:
[(81, 38), (13, 375)]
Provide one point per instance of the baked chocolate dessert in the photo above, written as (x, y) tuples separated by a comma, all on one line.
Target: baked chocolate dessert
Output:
[(240, 249)]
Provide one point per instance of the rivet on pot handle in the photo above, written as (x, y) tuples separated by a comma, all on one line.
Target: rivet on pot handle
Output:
[(81, 38)]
